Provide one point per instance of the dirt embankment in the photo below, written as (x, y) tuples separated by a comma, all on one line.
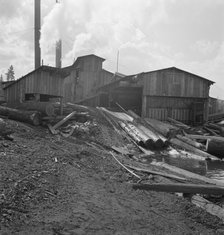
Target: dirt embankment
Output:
[(53, 185)]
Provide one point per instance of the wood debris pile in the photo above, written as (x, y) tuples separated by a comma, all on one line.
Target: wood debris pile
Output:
[(153, 139)]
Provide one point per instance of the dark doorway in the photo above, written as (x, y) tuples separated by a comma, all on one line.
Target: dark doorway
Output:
[(128, 98)]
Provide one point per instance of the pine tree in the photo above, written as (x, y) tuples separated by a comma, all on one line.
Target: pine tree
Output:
[(1, 78), (10, 75)]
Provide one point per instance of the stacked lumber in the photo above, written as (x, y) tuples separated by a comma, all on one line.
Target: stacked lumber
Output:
[(137, 128)]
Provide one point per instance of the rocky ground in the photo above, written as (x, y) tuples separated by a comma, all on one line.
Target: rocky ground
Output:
[(55, 185)]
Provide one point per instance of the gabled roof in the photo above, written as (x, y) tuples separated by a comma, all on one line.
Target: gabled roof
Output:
[(174, 68), (43, 68), (86, 56), (153, 71)]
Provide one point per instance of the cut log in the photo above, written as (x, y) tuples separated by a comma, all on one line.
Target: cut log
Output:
[(162, 141), (205, 137), (191, 142), (182, 188), (158, 143), (208, 206), (45, 108), (32, 117), (181, 144), (140, 138), (215, 147), (187, 174)]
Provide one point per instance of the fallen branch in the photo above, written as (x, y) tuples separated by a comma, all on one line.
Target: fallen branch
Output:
[(125, 166)]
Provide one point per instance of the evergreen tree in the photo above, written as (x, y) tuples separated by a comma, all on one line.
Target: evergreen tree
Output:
[(1, 78), (10, 75)]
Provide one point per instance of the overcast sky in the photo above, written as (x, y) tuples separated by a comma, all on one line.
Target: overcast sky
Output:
[(149, 35)]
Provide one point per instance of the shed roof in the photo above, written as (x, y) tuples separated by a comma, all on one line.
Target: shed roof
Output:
[(175, 68), (41, 68)]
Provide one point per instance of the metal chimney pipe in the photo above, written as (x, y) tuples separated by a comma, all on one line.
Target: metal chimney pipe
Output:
[(58, 54), (37, 53)]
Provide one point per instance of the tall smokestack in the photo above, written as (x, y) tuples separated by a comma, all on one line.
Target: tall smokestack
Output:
[(37, 53), (58, 54)]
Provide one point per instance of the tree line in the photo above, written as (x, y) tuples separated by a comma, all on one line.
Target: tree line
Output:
[(10, 75)]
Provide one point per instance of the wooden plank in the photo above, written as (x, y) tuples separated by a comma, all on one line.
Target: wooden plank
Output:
[(208, 206), (182, 188), (187, 174), (182, 144), (64, 120), (146, 170)]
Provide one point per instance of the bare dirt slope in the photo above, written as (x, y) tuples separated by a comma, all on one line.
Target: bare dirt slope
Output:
[(53, 185)]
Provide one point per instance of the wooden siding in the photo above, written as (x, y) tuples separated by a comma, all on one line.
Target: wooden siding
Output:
[(42, 82), (171, 82), (85, 85), (163, 107)]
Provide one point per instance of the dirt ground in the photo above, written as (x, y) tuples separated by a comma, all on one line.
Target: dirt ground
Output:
[(55, 185)]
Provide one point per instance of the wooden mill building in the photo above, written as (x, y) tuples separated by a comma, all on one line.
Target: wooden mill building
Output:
[(163, 93), (42, 84), (158, 94)]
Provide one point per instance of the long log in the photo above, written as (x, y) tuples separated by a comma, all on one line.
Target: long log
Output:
[(45, 108), (182, 144), (191, 142), (162, 141), (205, 137), (208, 206), (216, 127), (215, 147), (158, 143), (32, 117), (141, 138), (187, 174), (161, 127), (178, 123), (182, 188), (146, 170), (215, 116)]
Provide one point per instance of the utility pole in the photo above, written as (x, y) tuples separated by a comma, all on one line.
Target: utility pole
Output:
[(117, 60), (37, 22)]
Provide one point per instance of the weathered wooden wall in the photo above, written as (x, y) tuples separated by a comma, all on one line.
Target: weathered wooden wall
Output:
[(85, 79), (173, 82), (39, 81), (182, 109), (216, 105)]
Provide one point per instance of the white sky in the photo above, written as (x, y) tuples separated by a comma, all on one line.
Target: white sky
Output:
[(149, 34)]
